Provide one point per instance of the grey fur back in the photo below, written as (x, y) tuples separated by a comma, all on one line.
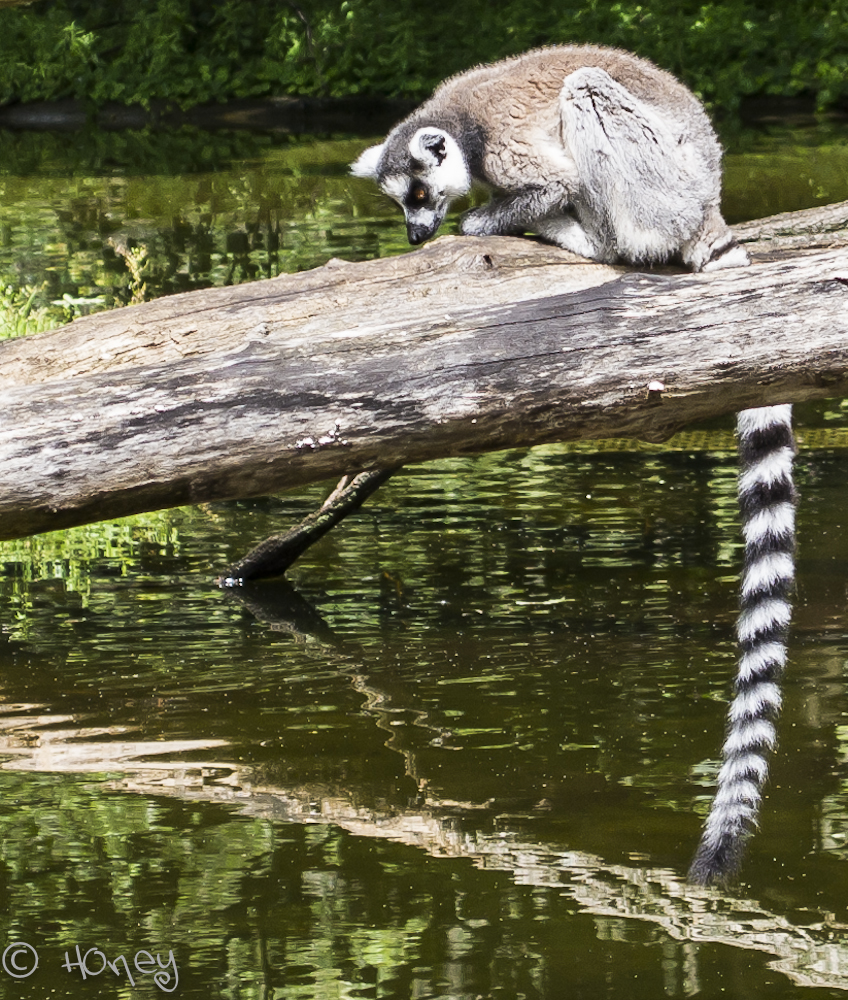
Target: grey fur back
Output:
[(522, 94)]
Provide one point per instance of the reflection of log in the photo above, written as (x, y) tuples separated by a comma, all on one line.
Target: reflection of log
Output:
[(466, 345), (810, 953), (815, 954), (810, 947)]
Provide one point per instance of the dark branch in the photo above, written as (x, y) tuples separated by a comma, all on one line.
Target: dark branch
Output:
[(274, 556)]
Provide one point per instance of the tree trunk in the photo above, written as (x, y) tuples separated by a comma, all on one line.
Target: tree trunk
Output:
[(466, 345)]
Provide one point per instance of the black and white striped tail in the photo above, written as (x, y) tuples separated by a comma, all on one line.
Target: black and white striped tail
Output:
[(767, 500)]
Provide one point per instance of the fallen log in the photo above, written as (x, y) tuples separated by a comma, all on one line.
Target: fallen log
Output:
[(466, 345)]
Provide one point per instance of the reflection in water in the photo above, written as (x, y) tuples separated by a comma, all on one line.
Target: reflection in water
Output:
[(784, 170), (87, 242), (812, 953), (96, 220), (464, 753)]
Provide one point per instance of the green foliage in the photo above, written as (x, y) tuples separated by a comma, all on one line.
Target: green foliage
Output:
[(28, 310), (186, 52), (44, 55)]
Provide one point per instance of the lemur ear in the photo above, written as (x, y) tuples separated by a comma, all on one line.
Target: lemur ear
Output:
[(435, 144), (429, 146), (368, 163)]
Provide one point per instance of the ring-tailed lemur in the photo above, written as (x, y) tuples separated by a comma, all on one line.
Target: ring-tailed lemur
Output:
[(612, 158)]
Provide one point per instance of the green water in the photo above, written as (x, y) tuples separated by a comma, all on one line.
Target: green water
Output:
[(465, 751)]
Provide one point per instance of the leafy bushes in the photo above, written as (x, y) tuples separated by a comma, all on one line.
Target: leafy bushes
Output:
[(191, 51)]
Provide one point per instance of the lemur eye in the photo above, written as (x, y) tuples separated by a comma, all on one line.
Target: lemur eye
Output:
[(418, 194)]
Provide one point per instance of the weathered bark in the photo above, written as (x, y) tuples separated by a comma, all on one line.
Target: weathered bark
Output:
[(464, 346), (825, 227)]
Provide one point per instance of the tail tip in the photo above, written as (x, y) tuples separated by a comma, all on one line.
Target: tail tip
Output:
[(718, 863)]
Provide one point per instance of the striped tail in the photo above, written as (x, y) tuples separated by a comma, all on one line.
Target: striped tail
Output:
[(767, 500)]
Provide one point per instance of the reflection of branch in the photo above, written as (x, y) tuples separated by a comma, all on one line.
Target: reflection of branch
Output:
[(283, 609), (279, 606)]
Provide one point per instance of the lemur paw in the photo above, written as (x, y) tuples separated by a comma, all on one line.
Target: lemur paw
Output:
[(473, 224), (478, 222)]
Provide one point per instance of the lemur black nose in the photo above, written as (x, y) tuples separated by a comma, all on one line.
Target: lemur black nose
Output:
[(417, 234)]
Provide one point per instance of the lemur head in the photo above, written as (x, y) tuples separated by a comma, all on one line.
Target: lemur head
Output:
[(422, 175)]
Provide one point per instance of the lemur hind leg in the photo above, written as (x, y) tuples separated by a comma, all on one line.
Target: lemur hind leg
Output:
[(714, 246), (642, 188)]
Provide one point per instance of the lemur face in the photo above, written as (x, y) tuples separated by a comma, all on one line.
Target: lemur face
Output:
[(432, 172), (423, 215), (424, 209)]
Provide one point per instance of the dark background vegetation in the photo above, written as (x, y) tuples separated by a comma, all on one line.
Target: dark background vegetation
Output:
[(187, 52)]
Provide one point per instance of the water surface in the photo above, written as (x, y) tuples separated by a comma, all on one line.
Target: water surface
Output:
[(465, 751)]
